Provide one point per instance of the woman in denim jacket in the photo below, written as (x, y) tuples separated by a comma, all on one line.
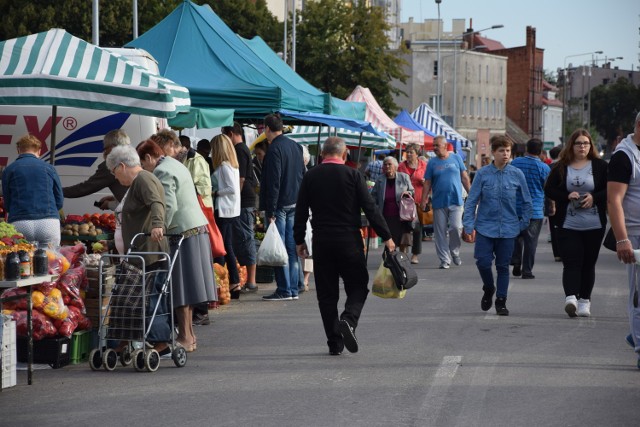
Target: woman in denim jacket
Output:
[(493, 194)]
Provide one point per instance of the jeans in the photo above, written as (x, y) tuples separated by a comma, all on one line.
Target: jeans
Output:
[(287, 277), (447, 226), (486, 250), (579, 251), (524, 249), (244, 244), (633, 311)]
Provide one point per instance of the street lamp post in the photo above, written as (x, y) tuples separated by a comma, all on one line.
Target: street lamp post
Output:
[(564, 88), (455, 68), (438, 67)]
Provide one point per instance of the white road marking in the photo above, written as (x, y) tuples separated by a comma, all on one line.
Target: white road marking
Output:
[(434, 400)]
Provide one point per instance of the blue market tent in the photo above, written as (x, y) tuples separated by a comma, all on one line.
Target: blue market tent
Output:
[(429, 119), (195, 48)]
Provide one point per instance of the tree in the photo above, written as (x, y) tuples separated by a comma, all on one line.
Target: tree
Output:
[(20, 18), (614, 108), (344, 45)]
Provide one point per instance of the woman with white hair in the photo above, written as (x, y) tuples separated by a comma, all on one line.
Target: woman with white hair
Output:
[(387, 192)]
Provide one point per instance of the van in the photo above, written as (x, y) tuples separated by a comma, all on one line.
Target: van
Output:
[(79, 136)]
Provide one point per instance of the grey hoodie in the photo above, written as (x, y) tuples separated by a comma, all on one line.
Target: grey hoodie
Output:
[(631, 201)]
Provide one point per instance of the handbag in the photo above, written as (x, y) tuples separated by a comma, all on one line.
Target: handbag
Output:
[(384, 285), (215, 237), (425, 216), (610, 241), (398, 262), (407, 208), (272, 250)]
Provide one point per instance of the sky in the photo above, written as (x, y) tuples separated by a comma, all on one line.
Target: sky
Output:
[(563, 27)]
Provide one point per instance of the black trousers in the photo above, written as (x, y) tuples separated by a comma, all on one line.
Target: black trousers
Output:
[(341, 257), (579, 251)]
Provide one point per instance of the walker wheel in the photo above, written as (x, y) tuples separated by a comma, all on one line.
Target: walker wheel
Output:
[(138, 360), (125, 356), (109, 359), (179, 356), (95, 359), (152, 360)]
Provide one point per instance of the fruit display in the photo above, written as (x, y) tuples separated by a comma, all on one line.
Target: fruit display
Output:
[(88, 227), (222, 281), (12, 241)]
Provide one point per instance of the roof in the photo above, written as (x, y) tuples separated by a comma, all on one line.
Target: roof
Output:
[(548, 86), (489, 44), (552, 102), (514, 132)]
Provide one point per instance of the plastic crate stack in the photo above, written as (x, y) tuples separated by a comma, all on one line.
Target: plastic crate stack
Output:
[(8, 355)]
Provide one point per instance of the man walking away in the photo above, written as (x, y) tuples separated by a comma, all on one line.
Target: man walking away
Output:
[(282, 173), (535, 171), (335, 194)]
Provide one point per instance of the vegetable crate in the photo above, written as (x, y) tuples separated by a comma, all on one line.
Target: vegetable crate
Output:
[(54, 352), (265, 274), (8, 358), (81, 344)]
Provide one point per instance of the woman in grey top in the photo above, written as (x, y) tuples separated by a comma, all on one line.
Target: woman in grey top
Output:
[(578, 186)]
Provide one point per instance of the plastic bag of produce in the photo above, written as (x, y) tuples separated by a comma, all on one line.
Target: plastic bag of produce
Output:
[(384, 285), (70, 283), (19, 304), (73, 253), (42, 326), (272, 250)]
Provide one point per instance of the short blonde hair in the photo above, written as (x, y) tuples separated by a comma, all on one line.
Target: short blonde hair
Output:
[(29, 143), (166, 136), (222, 150)]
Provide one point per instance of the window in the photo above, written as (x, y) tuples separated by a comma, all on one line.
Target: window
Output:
[(479, 73), (464, 106), (472, 106), (493, 108), (435, 69), (487, 74), (479, 104), (501, 75), (500, 109)]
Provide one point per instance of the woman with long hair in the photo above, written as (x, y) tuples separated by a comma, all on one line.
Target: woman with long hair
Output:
[(578, 186), (227, 201)]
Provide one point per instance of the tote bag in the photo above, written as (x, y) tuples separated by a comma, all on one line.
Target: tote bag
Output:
[(215, 237)]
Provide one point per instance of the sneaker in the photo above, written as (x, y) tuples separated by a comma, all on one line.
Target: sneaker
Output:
[(335, 352), (444, 265), (276, 297), (516, 270), (584, 307), (629, 340), (571, 305), (528, 276), (501, 306), (295, 297), (487, 299), (249, 288), (348, 336), (557, 259), (457, 260), (414, 259), (201, 319)]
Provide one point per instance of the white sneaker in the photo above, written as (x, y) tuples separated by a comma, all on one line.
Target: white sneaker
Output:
[(571, 305), (584, 307), (457, 260)]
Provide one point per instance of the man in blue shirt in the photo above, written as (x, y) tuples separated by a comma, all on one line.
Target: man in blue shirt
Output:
[(535, 171), (445, 176)]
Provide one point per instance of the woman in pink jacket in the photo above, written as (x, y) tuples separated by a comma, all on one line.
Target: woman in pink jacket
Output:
[(415, 168)]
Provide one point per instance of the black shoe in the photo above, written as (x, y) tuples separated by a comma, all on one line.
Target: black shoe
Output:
[(487, 299), (249, 288), (528, 276), (348, 336), (516, 270), (501, 306), (201, 319)]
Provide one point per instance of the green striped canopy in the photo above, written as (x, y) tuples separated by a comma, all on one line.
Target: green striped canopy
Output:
[(56, 68), (308, 135)]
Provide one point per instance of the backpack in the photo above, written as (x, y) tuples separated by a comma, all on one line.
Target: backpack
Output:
[(400, 265)]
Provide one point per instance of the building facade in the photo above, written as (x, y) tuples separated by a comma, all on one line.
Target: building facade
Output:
[(551, 116)]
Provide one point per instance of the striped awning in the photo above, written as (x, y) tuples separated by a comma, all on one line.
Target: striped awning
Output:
[(432, 121), (380, 120), (56, 68), (308, 135)]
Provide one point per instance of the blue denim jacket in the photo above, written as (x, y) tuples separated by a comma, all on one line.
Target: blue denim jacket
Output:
[(493, 193), (31, 189)]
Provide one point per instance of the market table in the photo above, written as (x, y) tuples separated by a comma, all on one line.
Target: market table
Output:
[(28, 283)]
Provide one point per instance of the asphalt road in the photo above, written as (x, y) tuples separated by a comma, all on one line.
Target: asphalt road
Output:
[(431, 359)]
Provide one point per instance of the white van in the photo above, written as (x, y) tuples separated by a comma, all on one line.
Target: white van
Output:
[(79, 135)]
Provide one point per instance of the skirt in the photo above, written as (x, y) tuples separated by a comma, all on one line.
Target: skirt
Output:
[(192, 279)]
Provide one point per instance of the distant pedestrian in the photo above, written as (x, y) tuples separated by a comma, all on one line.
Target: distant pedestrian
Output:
[(335, 194), (374, 169), (415, 168), (623, 202), (445, 177), (491, 220), (536, 172), (578, 186)]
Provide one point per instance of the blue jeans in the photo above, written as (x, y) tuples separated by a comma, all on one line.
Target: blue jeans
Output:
[(524, 250), (486, 250), (287, 276)]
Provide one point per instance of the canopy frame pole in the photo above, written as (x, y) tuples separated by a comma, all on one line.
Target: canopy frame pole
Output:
[(54, 120), (359, 148), (318, 145)]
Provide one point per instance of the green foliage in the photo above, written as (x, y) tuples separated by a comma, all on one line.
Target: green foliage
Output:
[(345, 45), (614, 108)]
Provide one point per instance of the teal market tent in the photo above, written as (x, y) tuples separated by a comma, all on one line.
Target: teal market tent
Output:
[(202, 118), (195, 48), (336, 107)]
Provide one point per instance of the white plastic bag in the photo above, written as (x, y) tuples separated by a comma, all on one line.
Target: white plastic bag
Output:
[(272, 250), (308, 238)]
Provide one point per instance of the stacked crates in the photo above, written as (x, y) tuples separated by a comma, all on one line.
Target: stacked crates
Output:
[(8, 355)]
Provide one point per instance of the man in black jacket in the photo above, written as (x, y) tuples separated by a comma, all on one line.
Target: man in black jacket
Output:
[(335, 193), (281, 177)]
